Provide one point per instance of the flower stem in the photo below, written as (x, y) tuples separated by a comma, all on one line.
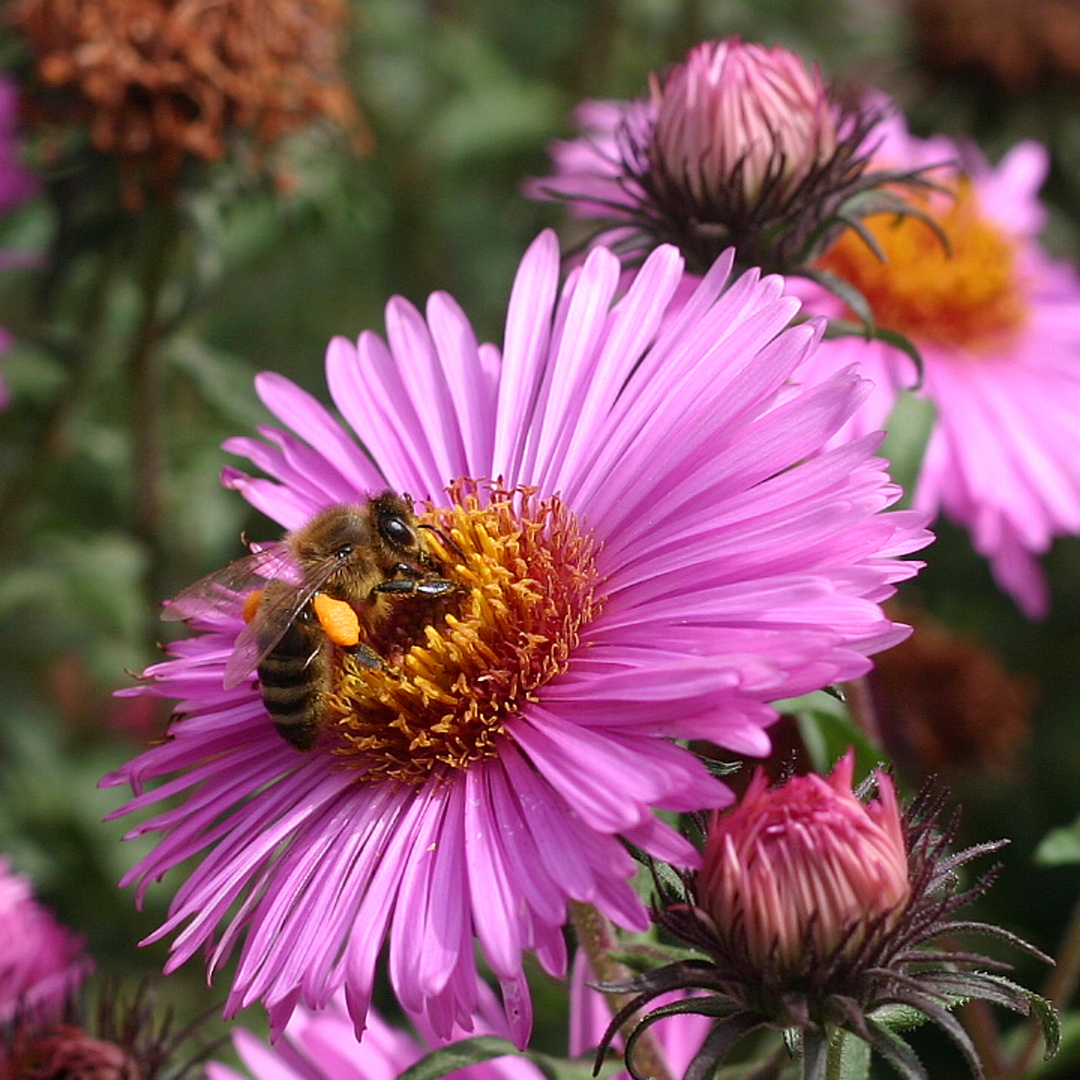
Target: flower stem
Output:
[(860, 704), (815, 1055), (597, 939)]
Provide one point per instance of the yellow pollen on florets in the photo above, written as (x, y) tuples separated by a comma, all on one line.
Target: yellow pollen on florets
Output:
[(964, 294), (458, 667)]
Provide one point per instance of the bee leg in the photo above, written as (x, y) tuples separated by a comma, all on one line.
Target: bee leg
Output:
[(431, 587), (366, 655), (405, 570)]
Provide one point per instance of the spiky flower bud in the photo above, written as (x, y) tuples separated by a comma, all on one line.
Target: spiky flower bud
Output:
[(819, 911), (805, 871), (736, 146), (125, 1037), (741, 114)]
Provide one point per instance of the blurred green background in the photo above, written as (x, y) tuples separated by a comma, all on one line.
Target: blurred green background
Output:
[(462, 98)]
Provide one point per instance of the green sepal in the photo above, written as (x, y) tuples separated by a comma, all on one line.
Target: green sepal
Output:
[(847, 294), (896, 1051), (870, 331), (1039, 1007), (898, 1017)]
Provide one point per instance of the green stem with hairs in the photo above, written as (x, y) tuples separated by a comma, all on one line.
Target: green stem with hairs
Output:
[(596, 937), (815, 1055)]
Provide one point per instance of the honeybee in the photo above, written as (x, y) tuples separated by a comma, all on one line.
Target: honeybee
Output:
[(325, 587)]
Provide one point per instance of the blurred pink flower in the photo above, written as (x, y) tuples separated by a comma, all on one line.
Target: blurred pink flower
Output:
[(41, 961), (678, 1037), (667, 550), (17, 183), (323, 1046), (997, 323), (805, 864)]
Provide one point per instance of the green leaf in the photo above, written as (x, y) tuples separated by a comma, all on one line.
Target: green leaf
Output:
[(909, 427), (1060, 847), (458, 1055), (898, 1017), (849, 1057), (827, 731)]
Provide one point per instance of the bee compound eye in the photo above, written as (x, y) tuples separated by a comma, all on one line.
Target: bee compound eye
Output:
[(396, 530)]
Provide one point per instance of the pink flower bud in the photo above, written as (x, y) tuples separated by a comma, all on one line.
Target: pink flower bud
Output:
[(743, 114), (804, 870)]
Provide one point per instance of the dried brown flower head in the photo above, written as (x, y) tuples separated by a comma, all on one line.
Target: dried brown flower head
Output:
[(945, 703), (1019, 44), (158, 81)]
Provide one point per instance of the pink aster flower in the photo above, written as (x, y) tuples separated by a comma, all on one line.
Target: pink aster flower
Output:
[(41, 961), (647, 542), (323, 1046), (997, 324), (737, 145)]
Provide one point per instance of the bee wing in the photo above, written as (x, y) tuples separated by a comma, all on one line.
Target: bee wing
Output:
[(223, 589), (281, 603)]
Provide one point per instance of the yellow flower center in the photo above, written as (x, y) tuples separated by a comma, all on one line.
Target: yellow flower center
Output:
[(457, 668), (965, 295)]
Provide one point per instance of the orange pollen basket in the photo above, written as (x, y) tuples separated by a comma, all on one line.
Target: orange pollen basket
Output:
[(457, 668), (965, 295)]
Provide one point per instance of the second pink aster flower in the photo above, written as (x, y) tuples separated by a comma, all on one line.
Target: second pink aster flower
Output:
[(997, 324), (649, 544)]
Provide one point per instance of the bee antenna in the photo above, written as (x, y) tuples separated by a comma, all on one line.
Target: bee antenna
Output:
[(443, 537)]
